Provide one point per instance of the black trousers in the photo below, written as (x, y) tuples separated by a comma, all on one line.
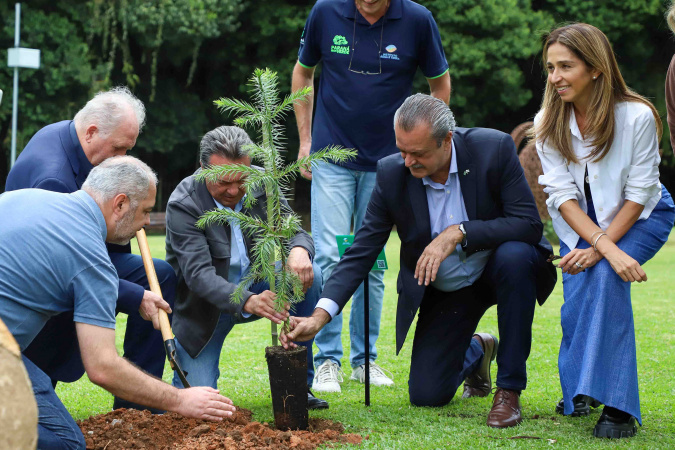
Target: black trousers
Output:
[(443, 352)]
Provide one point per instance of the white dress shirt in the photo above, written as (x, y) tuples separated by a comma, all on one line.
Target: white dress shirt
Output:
[(629, 171)]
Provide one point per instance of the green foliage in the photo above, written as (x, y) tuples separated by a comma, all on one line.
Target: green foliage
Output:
[(486, 44), (59, 88), (549, 233), (187, 23), (271, 236), (182, 53)]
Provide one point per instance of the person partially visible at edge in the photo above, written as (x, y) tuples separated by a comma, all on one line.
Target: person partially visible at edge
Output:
[(54, 260), (470, 238), (369, 52), (670, 81), (58, 158), (598, 142), (211, 262)]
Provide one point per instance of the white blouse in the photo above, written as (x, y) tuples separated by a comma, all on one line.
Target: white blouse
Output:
[(629, 171)]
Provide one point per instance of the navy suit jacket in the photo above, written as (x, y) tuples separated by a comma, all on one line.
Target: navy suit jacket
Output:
[(54, 160), (498, 202)]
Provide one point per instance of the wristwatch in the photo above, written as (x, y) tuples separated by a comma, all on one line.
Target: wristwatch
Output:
[(461, 228)]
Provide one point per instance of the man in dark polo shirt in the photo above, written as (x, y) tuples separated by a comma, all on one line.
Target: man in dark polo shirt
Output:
[(370, 52)]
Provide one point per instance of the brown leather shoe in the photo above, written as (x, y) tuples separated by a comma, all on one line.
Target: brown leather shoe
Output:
[(505, 410), (479, 383)]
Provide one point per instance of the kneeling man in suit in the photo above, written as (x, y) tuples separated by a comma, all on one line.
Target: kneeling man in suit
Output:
[(470, 238)]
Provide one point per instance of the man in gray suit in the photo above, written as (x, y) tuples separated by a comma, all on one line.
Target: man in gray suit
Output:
[(210, 263)]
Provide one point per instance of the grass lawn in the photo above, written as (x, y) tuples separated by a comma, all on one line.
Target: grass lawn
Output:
[(391, 422)]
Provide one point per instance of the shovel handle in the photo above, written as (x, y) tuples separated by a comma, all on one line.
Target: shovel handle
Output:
[(164, 325)]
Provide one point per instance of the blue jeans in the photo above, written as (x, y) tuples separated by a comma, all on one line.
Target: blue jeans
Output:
[(203, 370), (56, 428), (339, 196), (598, 356)]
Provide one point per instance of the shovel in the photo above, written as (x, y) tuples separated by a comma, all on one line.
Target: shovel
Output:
[(164, 325)]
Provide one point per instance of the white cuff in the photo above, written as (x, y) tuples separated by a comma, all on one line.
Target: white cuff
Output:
[(329, 306)]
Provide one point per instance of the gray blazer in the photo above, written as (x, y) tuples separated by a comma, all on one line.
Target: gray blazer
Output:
[(201, 259)]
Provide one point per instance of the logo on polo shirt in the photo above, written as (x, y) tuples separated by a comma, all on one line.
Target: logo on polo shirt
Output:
[(391, 52), (340, 45)]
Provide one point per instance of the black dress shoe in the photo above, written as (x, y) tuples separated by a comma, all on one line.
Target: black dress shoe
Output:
[(315, 403), (582, 406), (615, 424)]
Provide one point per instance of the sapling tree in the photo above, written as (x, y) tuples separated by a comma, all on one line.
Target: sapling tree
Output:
[(271, 235)]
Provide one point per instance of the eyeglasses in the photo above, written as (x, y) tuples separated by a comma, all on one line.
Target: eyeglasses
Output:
[(379, 52)]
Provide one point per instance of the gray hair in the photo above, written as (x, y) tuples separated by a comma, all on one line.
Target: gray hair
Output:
[(228, 142), (670, 16), (120, 175), (424, 109), (107, 110)]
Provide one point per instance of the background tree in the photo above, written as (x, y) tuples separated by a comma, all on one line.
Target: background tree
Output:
[(177, 55)]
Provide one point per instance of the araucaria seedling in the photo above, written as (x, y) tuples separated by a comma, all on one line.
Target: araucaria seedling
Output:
[(272, 235)]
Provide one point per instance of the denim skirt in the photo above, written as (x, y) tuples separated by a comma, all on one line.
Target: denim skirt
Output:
[(597, 353)]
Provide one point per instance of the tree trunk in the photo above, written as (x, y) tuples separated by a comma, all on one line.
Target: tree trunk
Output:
[(18, 410), (288, 383)]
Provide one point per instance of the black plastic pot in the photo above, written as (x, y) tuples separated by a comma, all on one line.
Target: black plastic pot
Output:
[(288, 383)]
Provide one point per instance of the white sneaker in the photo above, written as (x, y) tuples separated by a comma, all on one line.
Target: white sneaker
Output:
[(328, 377), (377, 375)]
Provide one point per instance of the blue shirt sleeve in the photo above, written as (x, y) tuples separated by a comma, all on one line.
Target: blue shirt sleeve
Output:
[(95, 296), (432, 59), (309, 53)]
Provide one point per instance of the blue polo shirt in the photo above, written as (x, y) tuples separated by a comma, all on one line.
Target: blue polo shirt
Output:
[(356, 110), (53, 259)]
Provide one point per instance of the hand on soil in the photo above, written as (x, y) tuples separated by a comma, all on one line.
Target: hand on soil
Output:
[(204, 402), (263, 305), (150, 306)]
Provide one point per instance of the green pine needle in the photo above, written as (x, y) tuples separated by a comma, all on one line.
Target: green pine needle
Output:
[(271, 238)]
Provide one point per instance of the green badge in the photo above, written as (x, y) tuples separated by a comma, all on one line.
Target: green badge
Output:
[(346, 240), (340, 45)]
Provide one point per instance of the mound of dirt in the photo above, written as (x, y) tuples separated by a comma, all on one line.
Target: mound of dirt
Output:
[(132, 429)]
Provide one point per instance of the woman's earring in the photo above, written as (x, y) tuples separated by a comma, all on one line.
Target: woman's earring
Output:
[(595, 78)]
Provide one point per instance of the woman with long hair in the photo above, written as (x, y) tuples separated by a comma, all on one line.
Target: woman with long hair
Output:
[(598, 142)]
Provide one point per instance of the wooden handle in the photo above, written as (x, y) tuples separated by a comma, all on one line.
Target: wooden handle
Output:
[(164, 325), (7, 340)]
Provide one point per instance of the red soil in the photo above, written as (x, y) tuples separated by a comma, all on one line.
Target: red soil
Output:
[(130, 429)]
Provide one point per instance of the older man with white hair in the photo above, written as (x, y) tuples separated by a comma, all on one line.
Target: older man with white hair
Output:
[(58, 158), (52, 249)]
